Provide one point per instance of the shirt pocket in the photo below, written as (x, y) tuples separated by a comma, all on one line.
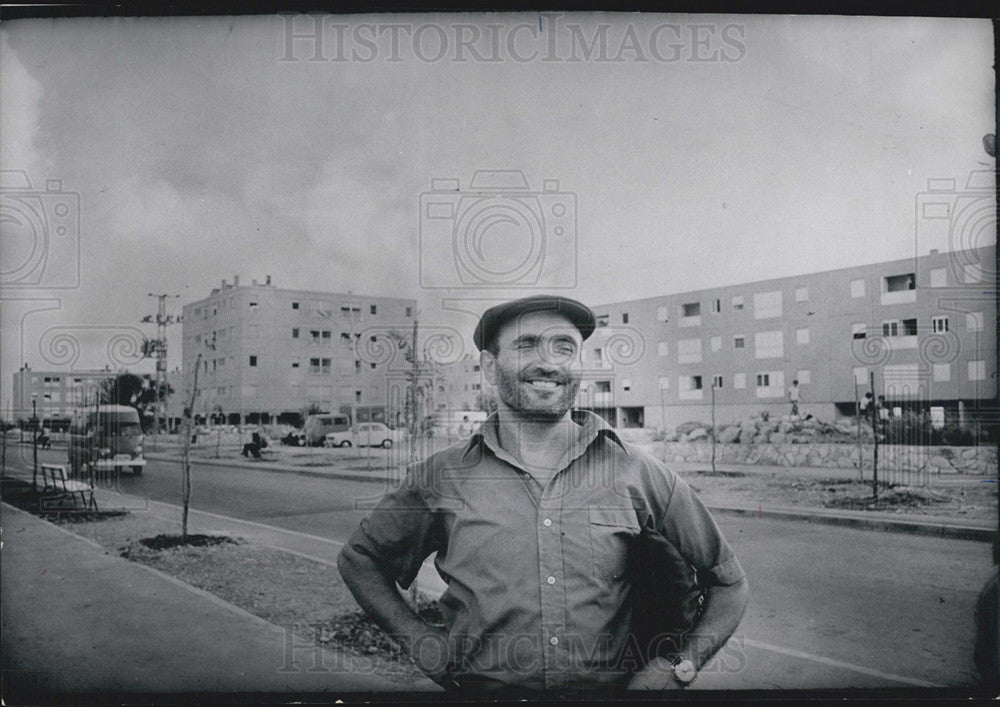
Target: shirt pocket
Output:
[(611, 533)]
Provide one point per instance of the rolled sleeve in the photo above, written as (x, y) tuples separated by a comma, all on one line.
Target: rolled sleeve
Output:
[(687, 523), (400, 532)]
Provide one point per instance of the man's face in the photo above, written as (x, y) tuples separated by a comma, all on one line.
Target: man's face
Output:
[(537, 367)]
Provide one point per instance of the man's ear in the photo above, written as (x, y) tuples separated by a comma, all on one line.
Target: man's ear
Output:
[(488, 362)]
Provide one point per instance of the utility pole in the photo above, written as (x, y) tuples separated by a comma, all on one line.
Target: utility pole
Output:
[(713, 424), (158, 348), (875, 422)]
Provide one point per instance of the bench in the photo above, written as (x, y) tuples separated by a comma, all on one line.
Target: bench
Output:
[(55, 483)]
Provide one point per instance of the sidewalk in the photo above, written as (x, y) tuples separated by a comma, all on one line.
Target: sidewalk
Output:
[(76, 620), (960, 528)]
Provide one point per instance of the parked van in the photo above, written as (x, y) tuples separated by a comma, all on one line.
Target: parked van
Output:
[(317, 427), (106, 438)]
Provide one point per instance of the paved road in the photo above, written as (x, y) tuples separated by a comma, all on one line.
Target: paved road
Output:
[(831, 606)]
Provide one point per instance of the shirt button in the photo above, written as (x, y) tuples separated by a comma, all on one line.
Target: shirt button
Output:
[(554, 640), (546, 522), (551, 580)]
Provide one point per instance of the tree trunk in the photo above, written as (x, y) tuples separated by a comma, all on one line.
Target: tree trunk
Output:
[(185, 457)]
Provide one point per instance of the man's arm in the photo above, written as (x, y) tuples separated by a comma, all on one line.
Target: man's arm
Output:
[(375, 591), (722, 612)]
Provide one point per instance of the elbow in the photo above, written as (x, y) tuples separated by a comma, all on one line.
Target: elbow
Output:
[(347, 564)]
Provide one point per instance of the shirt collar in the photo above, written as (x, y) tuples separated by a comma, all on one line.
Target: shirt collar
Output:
[(591, 425)]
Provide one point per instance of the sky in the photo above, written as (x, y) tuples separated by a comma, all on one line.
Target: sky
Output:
[(682, 152)]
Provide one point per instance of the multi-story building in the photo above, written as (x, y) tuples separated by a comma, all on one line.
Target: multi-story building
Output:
[(272, 355), (56, 393), (921, 331)]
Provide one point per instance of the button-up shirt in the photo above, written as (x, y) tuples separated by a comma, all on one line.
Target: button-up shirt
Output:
[(537, 591)]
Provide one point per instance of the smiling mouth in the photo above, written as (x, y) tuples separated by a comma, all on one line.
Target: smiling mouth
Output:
[(543, 384)]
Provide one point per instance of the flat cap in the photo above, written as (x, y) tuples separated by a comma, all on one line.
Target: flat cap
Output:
[(495, 317)]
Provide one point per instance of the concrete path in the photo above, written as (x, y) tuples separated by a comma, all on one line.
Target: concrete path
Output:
[(78, 620)]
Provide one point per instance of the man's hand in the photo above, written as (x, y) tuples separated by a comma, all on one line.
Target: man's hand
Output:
[(657, 675)]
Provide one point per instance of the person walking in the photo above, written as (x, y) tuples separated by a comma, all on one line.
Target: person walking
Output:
[(534, 519)]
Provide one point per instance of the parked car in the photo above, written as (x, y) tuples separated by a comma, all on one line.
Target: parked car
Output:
[(108, 438), (366, 434), (318, 426), (294, 438)]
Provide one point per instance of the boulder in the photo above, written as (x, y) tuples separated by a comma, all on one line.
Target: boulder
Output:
[(686, 428), (730, 435), (700, 433), (778, 438)]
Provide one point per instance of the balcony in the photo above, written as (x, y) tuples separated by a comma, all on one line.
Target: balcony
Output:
[(899, 297)]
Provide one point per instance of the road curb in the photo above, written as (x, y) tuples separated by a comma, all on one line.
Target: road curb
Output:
[(943, 530)]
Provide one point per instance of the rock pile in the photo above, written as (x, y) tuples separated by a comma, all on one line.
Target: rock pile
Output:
[(785, 430)]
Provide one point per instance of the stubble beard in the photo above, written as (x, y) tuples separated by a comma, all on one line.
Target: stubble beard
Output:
[(542, 408)]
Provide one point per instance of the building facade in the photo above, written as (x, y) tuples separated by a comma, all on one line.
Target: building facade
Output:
[(272, 355), (56, 393), (920, 331)]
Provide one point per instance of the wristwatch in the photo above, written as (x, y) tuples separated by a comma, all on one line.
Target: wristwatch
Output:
[(684, 671)]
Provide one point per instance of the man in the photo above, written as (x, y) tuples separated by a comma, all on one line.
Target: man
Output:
[(532, 519), (793, 396)]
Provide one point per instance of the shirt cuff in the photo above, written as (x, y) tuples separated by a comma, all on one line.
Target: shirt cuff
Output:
[(728, 572)]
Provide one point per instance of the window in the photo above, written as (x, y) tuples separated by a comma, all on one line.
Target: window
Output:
[(939, 324), (664, 382), (739, 342), (740, 381), (326, 334), (802, 336), (477, 386), (695, 383), (624, 317), (475, 369), (717, 381), (890, 329), (909, 327), (857, 288), (373, 366), (374, 309), (295, 364), (662, 348), (314, 333), (942, 372), (662, 314), (689, 351), (767, 305), (763, 380), (345, 338), (737, 303), (295, 305), (409, 311), (770, 384), (689, 387), (295, 333), (602, 386), (973, 321), (627, 384), (602, 320), (802, 294), (716, 306), (598, 358), (253, 303), (939, 277), (716, 343), (357, 365), (977, 370), (858, 330), (768, 344), (253, 360), (899, 283), (690, 314)]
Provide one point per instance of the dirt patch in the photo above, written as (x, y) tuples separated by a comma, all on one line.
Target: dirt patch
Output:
[(165, 542), (889, 499), (720, 473), (964, 500)]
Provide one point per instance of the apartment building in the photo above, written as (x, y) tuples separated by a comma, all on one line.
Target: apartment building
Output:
[(269, 354), (56, 393), (921, 331)]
